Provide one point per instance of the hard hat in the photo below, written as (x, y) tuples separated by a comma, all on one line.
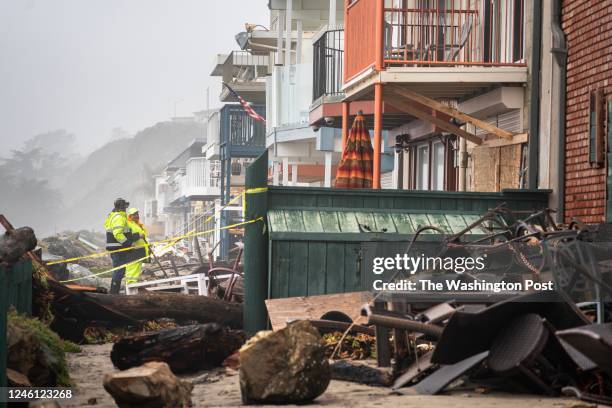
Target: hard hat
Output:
[(132, 211), (121, 203)]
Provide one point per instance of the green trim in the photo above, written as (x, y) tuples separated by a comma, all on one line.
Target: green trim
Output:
[(351, 237), (377, 210), (515, 194)]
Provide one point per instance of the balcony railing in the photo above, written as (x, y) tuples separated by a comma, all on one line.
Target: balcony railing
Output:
[(239, 130), (200, 178), (435, 33), (360, 33), (247, 67), (328, 58)]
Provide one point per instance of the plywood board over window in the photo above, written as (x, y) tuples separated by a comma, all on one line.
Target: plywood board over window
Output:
[(495, 168)]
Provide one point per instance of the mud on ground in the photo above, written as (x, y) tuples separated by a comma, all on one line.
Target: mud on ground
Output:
[(218, 389)]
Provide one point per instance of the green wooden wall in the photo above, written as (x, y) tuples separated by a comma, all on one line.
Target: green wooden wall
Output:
[(15, 290), (315, 249), (303, 254)]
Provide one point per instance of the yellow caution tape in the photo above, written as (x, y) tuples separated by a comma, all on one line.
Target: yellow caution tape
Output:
[(255, 190), (167, 246), (104, 253)]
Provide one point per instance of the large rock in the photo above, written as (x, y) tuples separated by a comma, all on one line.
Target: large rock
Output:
[(283, 367), (36, 352), (150, 385)]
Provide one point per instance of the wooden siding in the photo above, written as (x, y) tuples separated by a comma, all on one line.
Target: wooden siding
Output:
[(360, 33)]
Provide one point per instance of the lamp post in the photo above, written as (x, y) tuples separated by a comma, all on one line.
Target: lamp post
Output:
[(176, 103)]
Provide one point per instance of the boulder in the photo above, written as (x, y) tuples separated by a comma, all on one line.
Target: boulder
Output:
[(36, 352), (149, 385), (284, 367)]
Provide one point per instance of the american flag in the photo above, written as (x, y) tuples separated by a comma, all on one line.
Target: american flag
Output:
[(245, 105)]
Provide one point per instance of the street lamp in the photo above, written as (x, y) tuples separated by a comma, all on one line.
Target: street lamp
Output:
[(176, 103)]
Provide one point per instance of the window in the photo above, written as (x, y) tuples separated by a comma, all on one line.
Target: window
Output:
[(503, 34), (236, 168), (596, 128), (437, 179), (422, 176)]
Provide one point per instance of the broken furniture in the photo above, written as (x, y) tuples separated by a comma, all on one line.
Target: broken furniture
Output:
[(467, 334), (518, 354), (440, 378), (577, 271), (226, 280), (594, 341), (188, 284)]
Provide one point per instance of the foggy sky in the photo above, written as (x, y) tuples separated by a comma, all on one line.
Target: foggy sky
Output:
[(89, 66)]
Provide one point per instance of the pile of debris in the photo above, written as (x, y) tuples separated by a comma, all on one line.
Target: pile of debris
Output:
[(525, 344), (68, 245), (357, 346), (553, 342)]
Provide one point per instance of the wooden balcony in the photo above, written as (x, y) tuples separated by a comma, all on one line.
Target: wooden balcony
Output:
[(420, 56), (404, 41)]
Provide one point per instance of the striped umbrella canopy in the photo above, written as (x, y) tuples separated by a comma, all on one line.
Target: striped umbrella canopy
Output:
[(355, 169)]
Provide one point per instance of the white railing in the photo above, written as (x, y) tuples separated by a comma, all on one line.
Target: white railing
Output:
[(211, 149), (201, 178), (290, 103)]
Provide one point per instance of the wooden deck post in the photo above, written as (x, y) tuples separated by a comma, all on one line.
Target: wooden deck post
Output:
[(256, 247), (379, 38), (345, 122), (378, 101), (378, 90)]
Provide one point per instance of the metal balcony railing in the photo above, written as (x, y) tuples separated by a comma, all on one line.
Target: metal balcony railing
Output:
[(429, 33), (239, 130), (328, 59)]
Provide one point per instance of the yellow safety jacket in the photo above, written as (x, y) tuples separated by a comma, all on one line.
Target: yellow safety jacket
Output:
[(137, 228), (118, 233)]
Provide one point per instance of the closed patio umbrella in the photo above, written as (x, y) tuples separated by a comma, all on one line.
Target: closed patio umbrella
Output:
[(355, 169)]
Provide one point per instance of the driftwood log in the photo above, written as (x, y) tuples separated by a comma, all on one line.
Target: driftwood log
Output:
[(149, 306), (360, 373), (184, 349), (15, 243)]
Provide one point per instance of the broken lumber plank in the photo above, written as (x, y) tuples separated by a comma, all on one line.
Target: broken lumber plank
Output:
[(150, 306), (450, 111), (314, 307), (184, 349), (442, 124), (492, 141)]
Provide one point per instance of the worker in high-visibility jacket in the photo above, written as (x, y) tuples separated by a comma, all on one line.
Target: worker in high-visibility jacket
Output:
[(134, 268), (118, 236)]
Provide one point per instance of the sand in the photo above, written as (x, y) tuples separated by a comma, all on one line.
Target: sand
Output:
[(217, 388)]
